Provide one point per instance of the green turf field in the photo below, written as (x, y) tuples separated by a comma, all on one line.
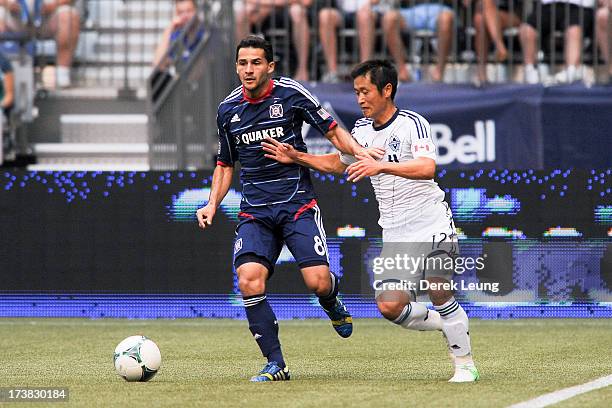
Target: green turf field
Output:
[(208, 363)]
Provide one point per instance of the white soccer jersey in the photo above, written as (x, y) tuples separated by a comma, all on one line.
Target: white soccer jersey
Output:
[(404, 137)]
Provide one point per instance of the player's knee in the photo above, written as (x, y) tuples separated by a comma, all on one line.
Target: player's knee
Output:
[(250, 287), (251, 280), (390, 309)]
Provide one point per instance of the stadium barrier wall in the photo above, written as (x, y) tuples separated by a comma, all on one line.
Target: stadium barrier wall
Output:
[(503, 126), (126, 244)]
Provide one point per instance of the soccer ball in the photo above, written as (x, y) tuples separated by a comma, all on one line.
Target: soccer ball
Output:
[(137, 358)]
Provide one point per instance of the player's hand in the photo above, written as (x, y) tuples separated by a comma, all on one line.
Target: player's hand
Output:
[(205, 215), (376, 153), (365, 167), (281, 152)]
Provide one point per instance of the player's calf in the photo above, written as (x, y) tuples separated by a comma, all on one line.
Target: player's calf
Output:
[(455, 326), (328, 294), (334, 308), (264, 327), (262, 321)]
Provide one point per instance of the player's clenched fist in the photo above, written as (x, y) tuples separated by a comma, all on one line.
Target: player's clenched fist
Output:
[(205, 215)]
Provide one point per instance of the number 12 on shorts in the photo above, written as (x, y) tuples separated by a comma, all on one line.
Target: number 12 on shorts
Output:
[(445, 241)]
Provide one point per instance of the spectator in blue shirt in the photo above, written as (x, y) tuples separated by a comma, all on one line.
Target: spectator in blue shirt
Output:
[(184, 12)]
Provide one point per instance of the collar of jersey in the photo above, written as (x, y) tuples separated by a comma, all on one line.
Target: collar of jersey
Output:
[(390, 121), (262, 97)]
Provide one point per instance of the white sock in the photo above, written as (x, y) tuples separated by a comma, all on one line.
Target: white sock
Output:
[(416, 316), (455, 327), (62, 76)]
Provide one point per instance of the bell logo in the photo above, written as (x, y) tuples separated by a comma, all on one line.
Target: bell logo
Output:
[(467, 149)]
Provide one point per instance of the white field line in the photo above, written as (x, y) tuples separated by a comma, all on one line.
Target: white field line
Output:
[(564, 394)]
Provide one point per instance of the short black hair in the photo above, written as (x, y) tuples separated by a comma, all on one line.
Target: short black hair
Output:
[(382, 72), (255, 41)]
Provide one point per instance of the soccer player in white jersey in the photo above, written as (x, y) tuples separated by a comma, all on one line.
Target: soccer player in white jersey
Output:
[(413, 213)]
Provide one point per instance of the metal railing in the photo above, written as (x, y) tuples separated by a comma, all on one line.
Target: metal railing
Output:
[(117, 41), (184, 93)]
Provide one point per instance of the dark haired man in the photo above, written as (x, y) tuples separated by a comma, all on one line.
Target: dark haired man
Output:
[(278, 200), (415, 219)]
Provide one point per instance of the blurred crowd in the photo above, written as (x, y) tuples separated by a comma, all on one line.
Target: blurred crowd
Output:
[(522, 32), (320, 39)]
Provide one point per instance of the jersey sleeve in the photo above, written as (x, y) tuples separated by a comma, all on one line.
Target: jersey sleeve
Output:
[(312, 112), (420, 138), (226, 155)]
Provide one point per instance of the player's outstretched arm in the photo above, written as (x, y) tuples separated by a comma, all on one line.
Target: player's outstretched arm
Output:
[(421, 168), (286, 154), (343, 141), (221, 182)]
